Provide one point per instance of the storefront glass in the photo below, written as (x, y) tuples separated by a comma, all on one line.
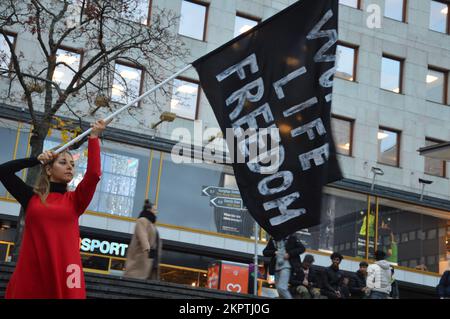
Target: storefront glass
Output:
[(412, 236), (344, 215), (189, 196), (10, 134)]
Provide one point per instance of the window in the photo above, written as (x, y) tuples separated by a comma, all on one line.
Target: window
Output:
[(5, 53), (391, 74), (431, 234), (439, 16), (434, 166), (243, 24), (137, 11), (344, 216), (437, 82), (350, 3), (342, 133), (127, 83), (67, 64), (395, 9), (193, 20), (388, 147), (346, 62), (185, 96)]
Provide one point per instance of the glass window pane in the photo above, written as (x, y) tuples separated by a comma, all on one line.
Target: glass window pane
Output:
[(64, 73), (184, 99), (390, 75), (394, 9), (8, 134), (345, 62), (5, 53), (343, 224), (397, 219), (198, 190), (350, 3), (136, 10), (127, 83), (342, 130), (388, 147), (192, 20), (242, 25), (435, 86), (434, 166), (438, 16)]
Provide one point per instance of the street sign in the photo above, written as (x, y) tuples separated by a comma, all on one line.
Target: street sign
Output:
[(214, 191), (229, 203)]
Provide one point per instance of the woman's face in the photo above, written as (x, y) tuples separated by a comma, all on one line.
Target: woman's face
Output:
[(62, 169)]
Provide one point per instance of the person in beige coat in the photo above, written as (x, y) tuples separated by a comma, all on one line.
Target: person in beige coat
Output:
[(144, 252)]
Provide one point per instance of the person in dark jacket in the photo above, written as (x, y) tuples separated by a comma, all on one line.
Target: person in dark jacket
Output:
[(443, 288), (358, 287), (285, 256), (304, 281), (332, 278)]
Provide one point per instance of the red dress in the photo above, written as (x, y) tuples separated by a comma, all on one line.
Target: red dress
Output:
[(49, 264)]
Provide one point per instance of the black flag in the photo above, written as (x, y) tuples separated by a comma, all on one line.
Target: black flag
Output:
[(279, 76)]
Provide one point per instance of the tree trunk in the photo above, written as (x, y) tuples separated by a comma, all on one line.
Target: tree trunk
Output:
[(37, 144)]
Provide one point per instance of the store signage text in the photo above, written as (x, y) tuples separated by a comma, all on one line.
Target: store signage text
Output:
[(104, 247)]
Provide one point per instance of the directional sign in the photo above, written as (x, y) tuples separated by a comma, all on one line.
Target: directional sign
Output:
[(214, 191), (229, 203)]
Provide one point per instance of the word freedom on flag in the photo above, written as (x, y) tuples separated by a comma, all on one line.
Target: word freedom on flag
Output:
[(277, 80)]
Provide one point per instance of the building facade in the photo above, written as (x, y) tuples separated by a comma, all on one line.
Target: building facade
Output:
[(391, 97)]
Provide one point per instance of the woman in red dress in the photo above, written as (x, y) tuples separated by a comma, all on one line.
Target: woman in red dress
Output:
[(49, 264)]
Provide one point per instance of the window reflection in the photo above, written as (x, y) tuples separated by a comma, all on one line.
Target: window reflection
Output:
[(400, 235), (127, 83), (438, 16), (345, 62), (350, 3), (192, 20), (5, 53), (342, 228), (434, 166), (137, 11), (65, 72), (388, 147), (435, 86), (242, 25), (184, 99), (391, 74), (394, 9), (342, 130), (195, 207)]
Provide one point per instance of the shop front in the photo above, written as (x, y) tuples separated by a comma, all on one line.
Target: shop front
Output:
[(202, 198)]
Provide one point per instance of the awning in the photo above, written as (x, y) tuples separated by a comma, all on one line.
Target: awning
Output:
[(438, 151)]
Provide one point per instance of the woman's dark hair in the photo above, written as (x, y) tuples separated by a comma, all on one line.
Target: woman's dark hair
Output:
[(148, 205), (147, 211)]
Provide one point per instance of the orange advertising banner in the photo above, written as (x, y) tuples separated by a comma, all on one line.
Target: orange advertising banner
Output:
[(234, 278)]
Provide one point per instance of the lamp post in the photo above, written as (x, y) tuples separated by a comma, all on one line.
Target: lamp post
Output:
[(376, 171), (424, 182)]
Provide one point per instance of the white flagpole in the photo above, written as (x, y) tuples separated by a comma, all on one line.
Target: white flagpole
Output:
[(113, 115)]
